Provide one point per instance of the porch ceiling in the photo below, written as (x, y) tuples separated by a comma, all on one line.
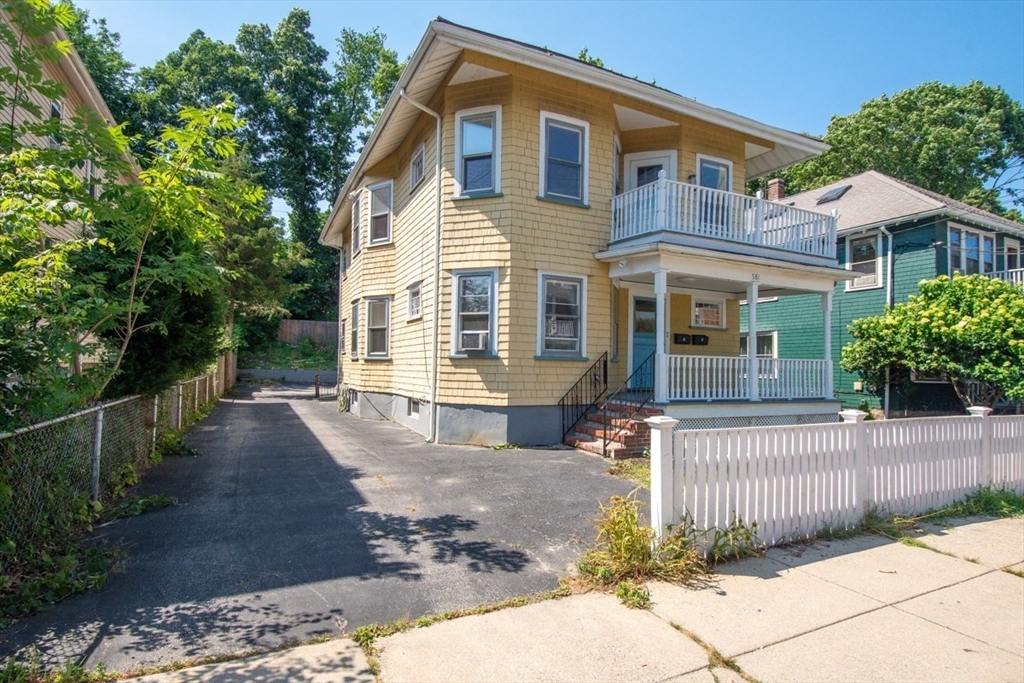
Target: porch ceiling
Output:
[(731, 288), (698, 270)]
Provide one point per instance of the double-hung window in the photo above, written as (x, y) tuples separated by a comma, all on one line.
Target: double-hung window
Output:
[(354, 331), (380, 213), (563, 158), (971, 252), (765, 344), (357, 223), (478, 151), (708, 314), (562, 315), (864, 257), (473, 324), (56, 115), (416, 167), (378, 327), (1012, 250), (415, 301)]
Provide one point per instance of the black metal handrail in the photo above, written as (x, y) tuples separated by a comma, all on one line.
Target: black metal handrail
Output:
[(634, 394), (585, 394)]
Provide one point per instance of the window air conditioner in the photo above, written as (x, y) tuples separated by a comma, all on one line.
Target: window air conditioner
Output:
[(474, 341)]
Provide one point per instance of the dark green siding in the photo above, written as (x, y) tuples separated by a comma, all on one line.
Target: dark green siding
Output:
[(919, 253)]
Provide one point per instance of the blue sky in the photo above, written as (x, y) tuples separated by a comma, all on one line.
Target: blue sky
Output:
[(790, 64)]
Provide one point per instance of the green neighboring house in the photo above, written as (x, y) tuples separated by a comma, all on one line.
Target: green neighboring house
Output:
[(892, 234)]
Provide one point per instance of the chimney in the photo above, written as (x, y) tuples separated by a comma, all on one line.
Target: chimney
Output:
[(776, 190)]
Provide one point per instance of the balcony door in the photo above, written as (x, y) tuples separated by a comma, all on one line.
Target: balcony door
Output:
[(642, 167)]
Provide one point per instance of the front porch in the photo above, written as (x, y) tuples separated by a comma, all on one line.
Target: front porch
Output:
[(679, 314)]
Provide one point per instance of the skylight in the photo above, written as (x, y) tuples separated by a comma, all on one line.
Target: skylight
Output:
[(833, 194)]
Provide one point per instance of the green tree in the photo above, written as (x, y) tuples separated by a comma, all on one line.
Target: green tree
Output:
[(963, 141), (969, 328), (114, 76)]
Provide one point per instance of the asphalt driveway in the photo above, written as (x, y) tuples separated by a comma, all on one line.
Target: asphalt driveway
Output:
[(298, 521)]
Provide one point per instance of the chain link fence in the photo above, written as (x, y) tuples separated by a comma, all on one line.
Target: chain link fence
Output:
[(49, 472)]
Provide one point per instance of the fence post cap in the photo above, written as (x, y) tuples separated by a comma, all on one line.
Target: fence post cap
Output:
[(661, 422), (853, 415), (979, 411)]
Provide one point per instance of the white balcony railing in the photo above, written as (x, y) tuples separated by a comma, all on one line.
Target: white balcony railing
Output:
[(1014, 277), (671, 206), (724, 378)]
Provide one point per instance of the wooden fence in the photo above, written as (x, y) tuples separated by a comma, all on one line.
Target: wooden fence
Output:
[(294, 331), (793, 481)]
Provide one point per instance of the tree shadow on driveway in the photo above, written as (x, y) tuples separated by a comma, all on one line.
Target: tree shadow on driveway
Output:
[(271, 541)]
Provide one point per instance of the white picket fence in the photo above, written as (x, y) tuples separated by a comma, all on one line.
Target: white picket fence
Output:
[(793, 481)]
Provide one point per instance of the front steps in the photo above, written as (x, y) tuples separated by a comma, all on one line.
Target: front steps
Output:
[(635, 437)]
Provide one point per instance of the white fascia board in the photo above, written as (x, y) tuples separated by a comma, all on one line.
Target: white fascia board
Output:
[(623, 85)]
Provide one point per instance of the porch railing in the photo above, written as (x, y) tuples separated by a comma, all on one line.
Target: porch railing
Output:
[(1014, 277), (671, 206), (585, 394), (635, 394), (725, 378)]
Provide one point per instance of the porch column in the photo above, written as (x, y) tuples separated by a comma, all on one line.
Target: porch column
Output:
[(753, 371), (826, 311), (661, 335)]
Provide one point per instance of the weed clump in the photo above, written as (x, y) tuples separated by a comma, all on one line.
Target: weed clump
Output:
[(633, 595), (626, 549)]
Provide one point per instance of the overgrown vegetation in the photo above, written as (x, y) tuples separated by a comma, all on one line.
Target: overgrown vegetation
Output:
[(966, 328), (625, 553), (637, 470), (307, 354)]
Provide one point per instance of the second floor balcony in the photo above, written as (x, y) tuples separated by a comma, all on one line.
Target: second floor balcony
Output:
[(668, 206)]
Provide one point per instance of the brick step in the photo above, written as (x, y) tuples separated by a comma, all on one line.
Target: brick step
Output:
[(588, 443), (601, 431)]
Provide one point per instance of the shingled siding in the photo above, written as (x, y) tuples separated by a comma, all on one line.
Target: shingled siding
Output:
[(798, 320)]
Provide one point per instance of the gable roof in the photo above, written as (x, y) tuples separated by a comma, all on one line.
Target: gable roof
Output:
[(875, 199), (444, 41)]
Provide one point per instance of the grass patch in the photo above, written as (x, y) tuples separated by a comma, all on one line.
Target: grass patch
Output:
[(633, 595), (625, 549), (918, 543), (987, 502), (716, 660), (306, 355), (1016, 572), (133, 506), (636, 470)]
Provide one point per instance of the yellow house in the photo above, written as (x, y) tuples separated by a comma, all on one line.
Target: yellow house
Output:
[(535, 249), (80, 93)]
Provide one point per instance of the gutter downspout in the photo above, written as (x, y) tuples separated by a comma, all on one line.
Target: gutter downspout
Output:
[(888, 303), (434, 343)]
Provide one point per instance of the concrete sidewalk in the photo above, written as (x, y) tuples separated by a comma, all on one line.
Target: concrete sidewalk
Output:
[(861, 609)]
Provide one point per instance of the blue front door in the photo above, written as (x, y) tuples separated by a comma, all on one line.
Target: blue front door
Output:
[(645, 326)]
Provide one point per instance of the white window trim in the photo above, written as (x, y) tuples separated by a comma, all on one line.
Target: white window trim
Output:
[(390, 184), (492, 345), (1008, 243), (982, 235), (354, 329), (917, 379), (342, 337), (628, 160), (54, 143), (717, 160), (410, 314), (879, 275), (357, 223), (420, 152), (366, 327), (694, 300), (545, 116), (775, 341), (582, 279), (496, 155)]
